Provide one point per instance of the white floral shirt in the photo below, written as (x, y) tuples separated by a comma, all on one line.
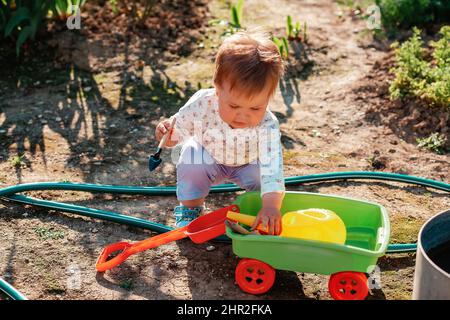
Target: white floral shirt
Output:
[(199, 118)]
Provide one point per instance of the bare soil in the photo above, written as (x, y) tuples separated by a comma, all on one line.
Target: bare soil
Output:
[(89, 116)]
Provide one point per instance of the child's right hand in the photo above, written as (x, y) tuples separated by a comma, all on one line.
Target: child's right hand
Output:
[(161, 129)]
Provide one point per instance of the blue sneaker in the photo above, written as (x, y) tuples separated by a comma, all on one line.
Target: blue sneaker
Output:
[(184, 215)]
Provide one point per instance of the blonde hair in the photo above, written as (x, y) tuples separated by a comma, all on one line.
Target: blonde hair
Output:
[(250, 61)]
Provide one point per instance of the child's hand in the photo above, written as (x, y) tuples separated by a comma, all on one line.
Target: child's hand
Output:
[(270, 219), (161, 129)]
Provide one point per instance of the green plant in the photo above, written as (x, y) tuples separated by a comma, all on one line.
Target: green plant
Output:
[(296, 32), (407, 13), (21, 19), (236, 14), (235, 22), (434, 142), (282, 45), (48, 233), (114, 8), (419, 78), (439, 89), (17, 161), (64, 8)]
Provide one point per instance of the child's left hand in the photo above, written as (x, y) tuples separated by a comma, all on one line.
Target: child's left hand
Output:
[(270, 219)]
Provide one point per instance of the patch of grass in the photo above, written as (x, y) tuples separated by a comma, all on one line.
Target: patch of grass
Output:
[(52, 286), (434, 143), (49, 233), (289, 157), (405, 229)]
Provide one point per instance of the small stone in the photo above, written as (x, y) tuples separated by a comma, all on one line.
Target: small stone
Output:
[(58, 119), (94, 230), (315, 133), (210, 248)]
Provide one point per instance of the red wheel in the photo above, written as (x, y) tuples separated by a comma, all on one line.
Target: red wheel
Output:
[(254, 276), (348, 286)]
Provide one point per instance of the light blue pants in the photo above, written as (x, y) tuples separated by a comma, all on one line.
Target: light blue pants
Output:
[(197, 171)]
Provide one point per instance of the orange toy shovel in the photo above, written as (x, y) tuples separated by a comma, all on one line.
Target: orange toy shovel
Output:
[(200, 230)]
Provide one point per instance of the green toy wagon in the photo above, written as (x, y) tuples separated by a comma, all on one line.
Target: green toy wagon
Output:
[(368, 232)]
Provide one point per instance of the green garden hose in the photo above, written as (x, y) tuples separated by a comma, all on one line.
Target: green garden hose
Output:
[(12, 292), (10, 194)]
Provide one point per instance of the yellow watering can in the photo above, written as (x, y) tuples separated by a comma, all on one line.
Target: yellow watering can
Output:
[(311, 224)]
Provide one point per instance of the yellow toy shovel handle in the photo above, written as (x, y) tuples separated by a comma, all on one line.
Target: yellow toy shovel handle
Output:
[(246, 219)]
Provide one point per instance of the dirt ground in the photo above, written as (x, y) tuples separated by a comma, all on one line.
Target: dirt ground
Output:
[(93, 121)]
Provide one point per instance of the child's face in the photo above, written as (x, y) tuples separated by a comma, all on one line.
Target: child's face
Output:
[(239, 111)]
